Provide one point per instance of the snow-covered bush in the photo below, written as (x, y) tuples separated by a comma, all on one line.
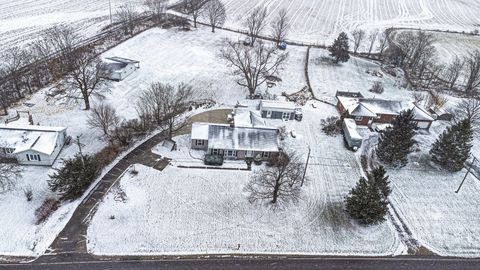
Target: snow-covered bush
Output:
[(332, 125)]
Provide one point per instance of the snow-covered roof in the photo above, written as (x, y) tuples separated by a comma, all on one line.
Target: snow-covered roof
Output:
[(122, 60), (238, 138), (248, 118), (274, 104), (370, 107), (361, 110), (352, 129), (200, 131), (41, 139)]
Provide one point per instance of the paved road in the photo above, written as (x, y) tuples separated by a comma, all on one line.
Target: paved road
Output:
[(72, 237), (400, 263)]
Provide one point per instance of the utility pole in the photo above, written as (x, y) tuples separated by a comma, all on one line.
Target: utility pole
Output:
[(80, 149), (468, 171), (306, 164), (110, 9)]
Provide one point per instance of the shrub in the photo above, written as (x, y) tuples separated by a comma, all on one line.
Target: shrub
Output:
[(107, 154), (377, 88), (332, 125), (28, 194), (75, 176), (48, 206)]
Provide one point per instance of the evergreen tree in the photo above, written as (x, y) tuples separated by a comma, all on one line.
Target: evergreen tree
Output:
[(339, 48), (452, 148), (75, 176), (396, 142), (368, 200)]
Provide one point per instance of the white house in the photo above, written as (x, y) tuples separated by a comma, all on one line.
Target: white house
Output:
[(32, 145), (278, 109), (119, 68), (235, 142)]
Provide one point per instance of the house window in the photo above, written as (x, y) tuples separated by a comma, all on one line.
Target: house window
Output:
[(358, 118), (215, 152), (33, 157), (199, 142), (8, 150), (265, 154), (230, 153)]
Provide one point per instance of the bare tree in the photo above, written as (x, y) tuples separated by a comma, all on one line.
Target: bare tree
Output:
[(435, 71), (251, 65), (383, 42), (280, 26), (255, 23), (156, 8), (422, 47), (473, 72), (454, 71), (418, 97), (280, 182), (6, 95), (126, 15), (8, 175), (14, 59), (193, 8), (358, 36), (63, 39), (372, 37), (103, 117), (470, 109), (214, 11), (164, 103), (85, 78)]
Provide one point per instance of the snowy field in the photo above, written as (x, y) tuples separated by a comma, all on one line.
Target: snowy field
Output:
[(22, 21), (202, 211), (312, 21), (449, 45), (321, 21)]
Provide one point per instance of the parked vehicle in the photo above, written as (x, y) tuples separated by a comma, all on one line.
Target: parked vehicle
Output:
[(213, 160)]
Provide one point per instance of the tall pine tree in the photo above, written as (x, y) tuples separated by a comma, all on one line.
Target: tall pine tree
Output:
[(396, 142), (452, 148), (367, 202), (339, 48)]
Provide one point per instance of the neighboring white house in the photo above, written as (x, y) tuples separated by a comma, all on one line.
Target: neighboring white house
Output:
[(278, 109), (119, 68), (235, 142), (32, 145)]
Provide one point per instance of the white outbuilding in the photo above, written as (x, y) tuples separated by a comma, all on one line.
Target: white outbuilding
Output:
[(32, 145), (119, 68)]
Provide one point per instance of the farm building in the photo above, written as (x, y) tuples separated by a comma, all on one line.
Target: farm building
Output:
[(119, 68), (366, 111), (278, 109), (32, 145), (235, 142), (354, 140)]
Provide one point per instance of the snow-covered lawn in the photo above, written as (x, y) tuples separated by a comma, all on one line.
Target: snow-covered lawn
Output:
[(322, 21), (444, 221), (327, 78), (179, 211)]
